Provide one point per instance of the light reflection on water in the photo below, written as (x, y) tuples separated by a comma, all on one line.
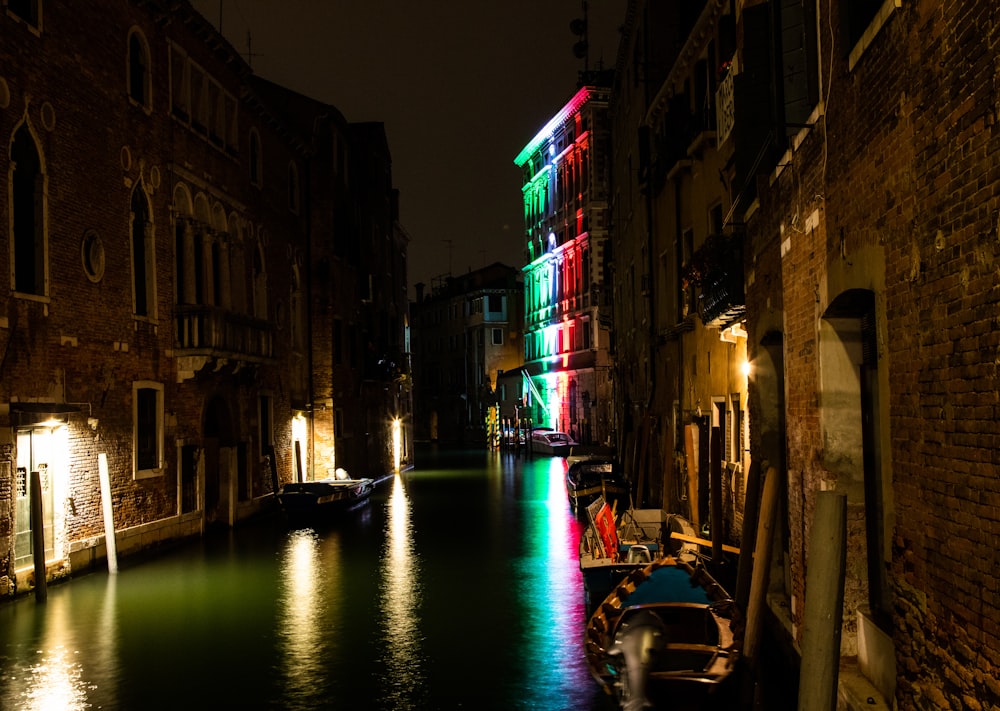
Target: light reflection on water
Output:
[(400, 606), (454, 588), (553, 638), (48, 675), (306, 599)]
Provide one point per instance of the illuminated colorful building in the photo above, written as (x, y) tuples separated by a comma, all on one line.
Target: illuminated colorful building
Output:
[(564, 168)]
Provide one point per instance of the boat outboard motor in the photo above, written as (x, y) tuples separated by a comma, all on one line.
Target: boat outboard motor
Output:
[(638, 640)]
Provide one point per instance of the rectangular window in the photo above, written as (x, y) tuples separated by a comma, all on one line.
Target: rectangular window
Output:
[(215, 122), (147, 418), (715, 220), (27, 10), (799, 62), (180, 97), (496, 303), (199, 97), (497, 336), (264, 418)]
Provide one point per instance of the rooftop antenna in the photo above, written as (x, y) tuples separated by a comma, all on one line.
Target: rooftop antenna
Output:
[(250, 53)]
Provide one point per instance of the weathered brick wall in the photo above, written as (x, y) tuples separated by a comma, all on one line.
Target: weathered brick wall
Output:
[(83, 345), (924, 185), (906, 169)]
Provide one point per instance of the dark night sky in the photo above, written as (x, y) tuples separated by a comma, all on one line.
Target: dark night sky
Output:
[(461, 86)]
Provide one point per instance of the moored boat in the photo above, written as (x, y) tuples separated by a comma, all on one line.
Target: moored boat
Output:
[(668, 631), (553, 442), (314, 501), (591, 476), (611, 547)]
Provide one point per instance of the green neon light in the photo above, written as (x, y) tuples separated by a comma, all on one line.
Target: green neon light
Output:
[(538, 396)]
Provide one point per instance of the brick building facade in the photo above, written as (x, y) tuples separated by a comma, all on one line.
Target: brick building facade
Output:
[(164, 234), (855, 150)]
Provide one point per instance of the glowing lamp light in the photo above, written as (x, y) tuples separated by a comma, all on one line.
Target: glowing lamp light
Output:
[(745, 368), (397, 439)]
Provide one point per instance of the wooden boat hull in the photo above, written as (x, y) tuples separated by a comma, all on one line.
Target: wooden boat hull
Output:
[(667, 629), (312, 501)]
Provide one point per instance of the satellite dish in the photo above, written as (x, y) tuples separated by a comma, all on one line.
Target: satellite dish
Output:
[(580, 49)]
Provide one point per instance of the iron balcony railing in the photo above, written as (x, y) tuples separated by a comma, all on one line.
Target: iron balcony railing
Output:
[(716, 270)]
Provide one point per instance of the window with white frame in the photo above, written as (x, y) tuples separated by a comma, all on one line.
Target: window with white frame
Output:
[(147, 428)]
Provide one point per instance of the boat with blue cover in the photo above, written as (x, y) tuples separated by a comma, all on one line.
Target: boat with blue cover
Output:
[(613, 545), (667, 632)]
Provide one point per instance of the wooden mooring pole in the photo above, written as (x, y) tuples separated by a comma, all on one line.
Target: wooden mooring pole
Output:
[(824, 604), (761, 566), (38, 538)]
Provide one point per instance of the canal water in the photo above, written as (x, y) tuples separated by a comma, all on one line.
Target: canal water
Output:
[(455, 587)]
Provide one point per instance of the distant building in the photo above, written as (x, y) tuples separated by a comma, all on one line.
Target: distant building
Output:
[(564, 173), (465, 333), (207, 290)]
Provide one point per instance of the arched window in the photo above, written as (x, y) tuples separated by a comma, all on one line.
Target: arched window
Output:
[(256, 170), (139, 82), (142, 253), (28, 245)]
